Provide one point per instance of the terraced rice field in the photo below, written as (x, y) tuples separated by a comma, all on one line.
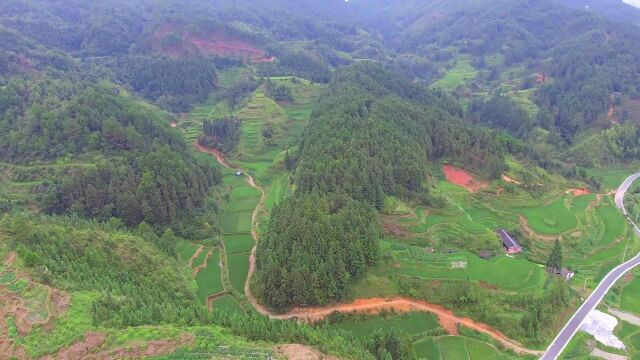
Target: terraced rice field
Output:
[(238, 265), (209, 279), (408, 324), (458, 75), (551, 219), (502, 271), (238, 243), (229, 304), (630, 298)]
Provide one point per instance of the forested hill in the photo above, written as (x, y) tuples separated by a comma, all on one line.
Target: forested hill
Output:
[(372, 135), (386, 129)]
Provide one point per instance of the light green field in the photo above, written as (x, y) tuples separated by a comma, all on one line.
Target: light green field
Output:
[(229, 304), (580, 203), (239, 243), (458, 75), (426, 349), (554, 218), (523, 98), (229, 76), (208, 279), (408, 324), (612, 177), (236, 222), (238, 269), (242, 205), (186, 249), (630, 298), (614, 223), (453, 348)]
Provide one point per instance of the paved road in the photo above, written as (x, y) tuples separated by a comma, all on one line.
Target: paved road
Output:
[(566, 334)]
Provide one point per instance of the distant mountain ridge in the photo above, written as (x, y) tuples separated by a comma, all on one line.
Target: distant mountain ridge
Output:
[(615, 10)]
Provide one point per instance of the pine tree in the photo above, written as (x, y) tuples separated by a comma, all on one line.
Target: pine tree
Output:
[(555, 258)]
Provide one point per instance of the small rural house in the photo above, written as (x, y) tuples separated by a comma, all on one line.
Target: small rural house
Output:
[(239, 173), (509, 243), (564, 273)]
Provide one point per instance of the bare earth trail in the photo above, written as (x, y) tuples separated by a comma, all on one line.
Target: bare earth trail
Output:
[(373, 305)]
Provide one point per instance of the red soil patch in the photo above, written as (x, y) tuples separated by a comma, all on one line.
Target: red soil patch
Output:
[(395, 229), (579, 192), (462, 178), (80, 349), (301, 352), (510, 180), (144, 350), (214, 43)]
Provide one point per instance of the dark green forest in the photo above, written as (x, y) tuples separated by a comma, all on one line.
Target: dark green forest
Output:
[(316, 248), (373, 133)]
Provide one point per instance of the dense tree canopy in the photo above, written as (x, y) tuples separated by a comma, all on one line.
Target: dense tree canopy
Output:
[(222, 134), (373, 133), (315, 248)]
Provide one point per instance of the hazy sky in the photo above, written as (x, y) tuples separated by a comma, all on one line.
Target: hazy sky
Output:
[(635, 3)]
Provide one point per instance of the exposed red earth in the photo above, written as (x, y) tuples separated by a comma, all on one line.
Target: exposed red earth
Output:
[(462, 178), (215, 43), (579, 192)]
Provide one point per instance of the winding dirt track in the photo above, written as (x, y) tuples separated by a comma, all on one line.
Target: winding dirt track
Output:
[(373, 305)]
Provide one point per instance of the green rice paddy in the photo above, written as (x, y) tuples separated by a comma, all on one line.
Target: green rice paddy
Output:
[(238, 265), (552, 219), (630, 298), (209, 279), (238, 243), (408, 324), (229, 304), (458, 75)]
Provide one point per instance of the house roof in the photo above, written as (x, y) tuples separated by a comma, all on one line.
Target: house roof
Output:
[(507, 240), (565, 273)]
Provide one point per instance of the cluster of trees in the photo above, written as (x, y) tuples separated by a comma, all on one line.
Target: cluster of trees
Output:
[(388, 345), (137, 282), (314, 250), (222, 134), (540, 313), (298, 64), (540, 36), (160, 187), (46, 117), (172, 82), (500, 112), (147, 175), (373, 133), (278, 92), (238, 91)]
